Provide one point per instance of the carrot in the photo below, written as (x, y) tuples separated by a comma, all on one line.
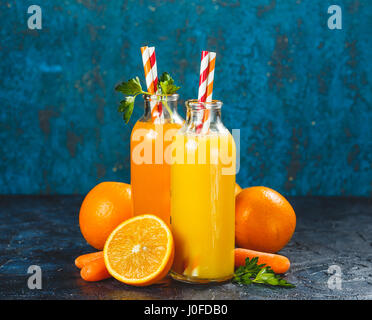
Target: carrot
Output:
[(95, 270), (84, 259), (278, 263)]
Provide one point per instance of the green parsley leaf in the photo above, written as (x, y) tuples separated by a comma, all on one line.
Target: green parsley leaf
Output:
[(165, 77), (251, 272), (131, 87), (126, 107), (167, 85)]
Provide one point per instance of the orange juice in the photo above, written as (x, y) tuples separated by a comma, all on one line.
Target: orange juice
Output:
[(150, 170), (151, 181), (203, 205)]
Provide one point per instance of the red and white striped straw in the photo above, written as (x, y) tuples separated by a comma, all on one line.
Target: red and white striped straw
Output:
[(203, 81), (151, 75), (207, 66), (202, 93), (154, 70)]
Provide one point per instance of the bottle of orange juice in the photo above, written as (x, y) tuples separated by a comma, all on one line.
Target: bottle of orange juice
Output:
[(150, 141), (202, 197), (151, 136)]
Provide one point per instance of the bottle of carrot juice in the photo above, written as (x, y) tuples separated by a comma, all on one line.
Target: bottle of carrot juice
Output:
[(151, 139), (202, 197)]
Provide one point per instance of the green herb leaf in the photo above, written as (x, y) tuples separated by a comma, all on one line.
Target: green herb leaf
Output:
[(126, 107), (268, 276), (131, 87), (166, 84), (254, 273)]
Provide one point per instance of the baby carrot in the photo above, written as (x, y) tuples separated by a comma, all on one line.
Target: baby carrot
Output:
[(82, 260), (95, 270), (278, 263)]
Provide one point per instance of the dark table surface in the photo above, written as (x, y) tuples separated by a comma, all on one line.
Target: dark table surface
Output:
[(44, 231)]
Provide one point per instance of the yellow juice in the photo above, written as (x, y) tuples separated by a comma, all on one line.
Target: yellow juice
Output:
[(203, 207)]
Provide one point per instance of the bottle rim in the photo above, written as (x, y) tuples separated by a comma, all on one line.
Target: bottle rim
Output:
[(159, 97), (197, 105)]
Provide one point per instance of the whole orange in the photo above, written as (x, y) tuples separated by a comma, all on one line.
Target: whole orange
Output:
[(264, 220), (105, 206)]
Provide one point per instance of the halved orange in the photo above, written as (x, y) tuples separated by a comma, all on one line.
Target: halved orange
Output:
[(139, 251)]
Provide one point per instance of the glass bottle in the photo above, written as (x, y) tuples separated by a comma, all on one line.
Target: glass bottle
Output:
[(203, 196), (150, 170)]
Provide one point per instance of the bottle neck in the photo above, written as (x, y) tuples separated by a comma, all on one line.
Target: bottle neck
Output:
[(204, 117), (159, 108), (197, 116)]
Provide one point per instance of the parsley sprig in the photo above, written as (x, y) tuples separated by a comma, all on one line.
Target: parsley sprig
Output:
[(166, 84), (254, 273), (132, 88)]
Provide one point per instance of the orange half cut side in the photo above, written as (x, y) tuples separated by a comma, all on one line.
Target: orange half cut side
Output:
[(140, 251)]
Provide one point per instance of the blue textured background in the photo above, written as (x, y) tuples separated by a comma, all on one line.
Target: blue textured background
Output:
[(300, 93)]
